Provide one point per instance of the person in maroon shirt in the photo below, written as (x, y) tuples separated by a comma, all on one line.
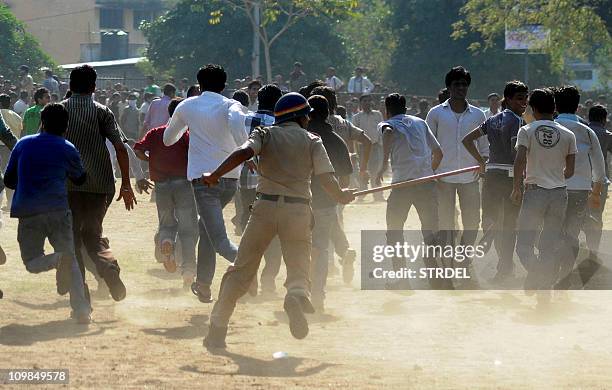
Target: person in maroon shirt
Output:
[(176, 207)]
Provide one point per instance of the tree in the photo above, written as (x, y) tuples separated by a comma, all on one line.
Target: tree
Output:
[(368, 37), (270, 19), (425, 51), (182, 40), (576, 31), (18, 47)]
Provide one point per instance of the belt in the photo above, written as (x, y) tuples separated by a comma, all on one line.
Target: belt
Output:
[(200, 181), (287, 199), (531, 186)]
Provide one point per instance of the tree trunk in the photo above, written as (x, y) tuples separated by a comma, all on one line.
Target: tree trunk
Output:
[(268, 61), (255, 72)]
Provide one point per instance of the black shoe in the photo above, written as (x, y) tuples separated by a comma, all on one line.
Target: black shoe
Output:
[(215, 337), (114, 283), (63, 274), (1, 294), (298, 325), (202, 291)]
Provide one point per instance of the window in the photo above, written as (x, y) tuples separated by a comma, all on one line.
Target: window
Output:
[(142, 16), (583, 75), (111, 18)]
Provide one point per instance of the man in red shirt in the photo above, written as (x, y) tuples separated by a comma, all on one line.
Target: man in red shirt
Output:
[(176, 207)]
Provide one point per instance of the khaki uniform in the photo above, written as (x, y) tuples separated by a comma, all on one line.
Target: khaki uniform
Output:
[(288, 158)]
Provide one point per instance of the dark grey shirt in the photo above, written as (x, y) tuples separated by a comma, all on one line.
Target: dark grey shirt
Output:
[(501, 130), (605, 141)]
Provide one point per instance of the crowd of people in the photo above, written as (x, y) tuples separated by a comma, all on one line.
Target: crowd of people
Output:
[(291, 157)]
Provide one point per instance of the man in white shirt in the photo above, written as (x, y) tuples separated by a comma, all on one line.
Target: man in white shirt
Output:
[(494, 105), (585, 187), (22, 104), (216, 128), (546, 152), (332, 80), (368, 120), (359, 84), (450, 122)]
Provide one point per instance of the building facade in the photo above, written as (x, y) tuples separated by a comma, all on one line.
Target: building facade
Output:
[(73, 31)]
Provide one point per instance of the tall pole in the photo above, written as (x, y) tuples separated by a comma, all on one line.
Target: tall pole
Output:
[(256, 41)]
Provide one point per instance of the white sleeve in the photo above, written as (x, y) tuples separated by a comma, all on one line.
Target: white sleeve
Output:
[(135, 166), (236, 120), (176, 128), (432, 122)]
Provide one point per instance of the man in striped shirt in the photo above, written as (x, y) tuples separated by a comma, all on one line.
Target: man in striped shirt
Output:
[(89, 202)]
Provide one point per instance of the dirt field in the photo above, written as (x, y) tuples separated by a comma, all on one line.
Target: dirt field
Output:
[(366, 339)]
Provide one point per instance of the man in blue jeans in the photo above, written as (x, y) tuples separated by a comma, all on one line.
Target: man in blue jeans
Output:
[(584, 187), (37, 170), (546, 152), (176, 209), (216, 128)]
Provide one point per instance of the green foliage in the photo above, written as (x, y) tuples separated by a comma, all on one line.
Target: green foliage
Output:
[(425, 52), (368, 37), (576, 29), (18, 47), (185, 40)]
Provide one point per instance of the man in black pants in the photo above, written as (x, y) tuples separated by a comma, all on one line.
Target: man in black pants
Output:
[(499, 214)]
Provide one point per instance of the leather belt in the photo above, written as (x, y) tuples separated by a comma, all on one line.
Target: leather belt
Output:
[(286, 199)]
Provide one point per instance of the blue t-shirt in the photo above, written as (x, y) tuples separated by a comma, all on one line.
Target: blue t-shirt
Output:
[(40, 164)]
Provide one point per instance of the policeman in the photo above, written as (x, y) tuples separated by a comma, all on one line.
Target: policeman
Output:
[(288, 158)]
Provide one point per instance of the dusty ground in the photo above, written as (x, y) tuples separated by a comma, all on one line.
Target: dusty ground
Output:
[(366, 339)]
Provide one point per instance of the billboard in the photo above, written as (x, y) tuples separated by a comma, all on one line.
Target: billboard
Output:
[(531, 37)]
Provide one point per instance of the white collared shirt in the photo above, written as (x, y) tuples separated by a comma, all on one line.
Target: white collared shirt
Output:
[(216, 129), (368, 122), (590, 164), (360, 85), (449, 128), (334, 83)]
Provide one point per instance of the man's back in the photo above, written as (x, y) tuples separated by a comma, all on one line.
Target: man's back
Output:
[(288, 158), (589, 159), (13, 121), (338, 155), (411, 148), (89, 125), (548, 144), (42, 163), (216, 129)]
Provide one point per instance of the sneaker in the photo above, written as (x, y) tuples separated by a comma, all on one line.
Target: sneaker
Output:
[(348, 270), (202, 291), (167, 252), (298, 325), (114, 283), (215, 337), (63, 275), (81, 318)]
